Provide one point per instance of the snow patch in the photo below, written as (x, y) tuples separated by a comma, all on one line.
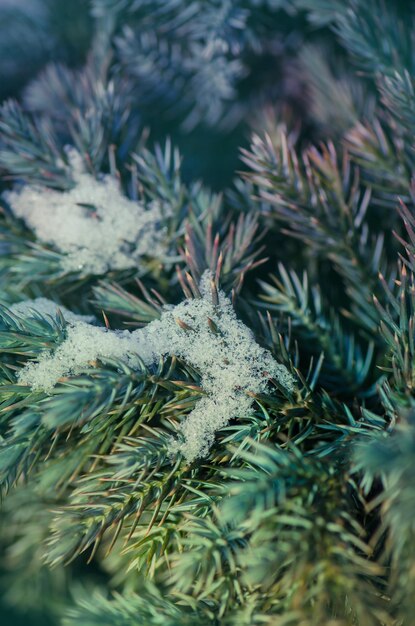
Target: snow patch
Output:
[(46, 307), (207, 336), (93, 224)]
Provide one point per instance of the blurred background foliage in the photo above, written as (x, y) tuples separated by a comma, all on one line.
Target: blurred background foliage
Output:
[(209, 134)]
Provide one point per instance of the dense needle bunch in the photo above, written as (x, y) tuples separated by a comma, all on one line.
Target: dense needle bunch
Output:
[(207, 397)]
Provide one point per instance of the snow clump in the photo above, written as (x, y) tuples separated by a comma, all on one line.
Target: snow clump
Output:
[(94, 225), (205, 333)]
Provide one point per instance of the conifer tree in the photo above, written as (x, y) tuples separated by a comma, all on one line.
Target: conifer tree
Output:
[(207, 401)]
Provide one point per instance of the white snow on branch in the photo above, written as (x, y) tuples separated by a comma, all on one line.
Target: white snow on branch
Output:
[(94, 224), (207, 336), (45, 308)]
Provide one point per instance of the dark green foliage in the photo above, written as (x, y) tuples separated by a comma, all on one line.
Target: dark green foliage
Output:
[(317, 195), (33, 33), (302, 513)]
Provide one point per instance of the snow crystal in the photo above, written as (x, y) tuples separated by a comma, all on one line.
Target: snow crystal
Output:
[(93, 224), (205, 335), (224, 351), (46, 307)]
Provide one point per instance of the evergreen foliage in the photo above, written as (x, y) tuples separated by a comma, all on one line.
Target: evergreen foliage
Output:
[(289, 297)]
